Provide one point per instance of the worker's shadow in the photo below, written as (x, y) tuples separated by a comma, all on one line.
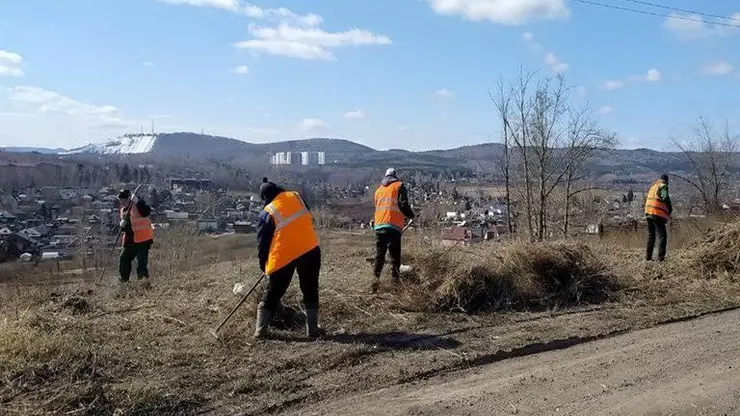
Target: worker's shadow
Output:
[(290, 320), (399, 340)]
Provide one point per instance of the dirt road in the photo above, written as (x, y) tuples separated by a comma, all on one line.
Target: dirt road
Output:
[(686, 368)]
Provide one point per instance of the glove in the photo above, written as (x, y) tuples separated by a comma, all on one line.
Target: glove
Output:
[(134, 199), (122, 224)]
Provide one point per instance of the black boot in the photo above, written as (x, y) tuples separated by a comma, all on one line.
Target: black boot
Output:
[(313, 330), (263, 320)]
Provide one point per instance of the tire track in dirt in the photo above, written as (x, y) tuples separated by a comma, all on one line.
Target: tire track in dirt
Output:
[(314, 399), (660, 376)]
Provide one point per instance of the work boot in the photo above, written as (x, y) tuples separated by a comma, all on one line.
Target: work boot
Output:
[(263, 320), (396, 274), (375, 286), (312, 324)]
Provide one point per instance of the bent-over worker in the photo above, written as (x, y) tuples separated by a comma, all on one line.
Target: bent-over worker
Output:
[(391, 211), (287, 242), (138, 235), (658, 210)]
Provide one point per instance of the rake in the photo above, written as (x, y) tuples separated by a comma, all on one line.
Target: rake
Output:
[(214, 332)]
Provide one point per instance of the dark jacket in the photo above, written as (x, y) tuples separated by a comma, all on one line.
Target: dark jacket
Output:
[(144, 210), (403, 196), (266, 230)]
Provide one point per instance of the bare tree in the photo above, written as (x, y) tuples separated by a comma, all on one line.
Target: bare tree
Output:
[(552, 143), (584, 139), (521, 137), (502, 101), (711, 156)]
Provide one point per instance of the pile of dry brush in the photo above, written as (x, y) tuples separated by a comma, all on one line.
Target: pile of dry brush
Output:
[(506, 276), (718, 253)]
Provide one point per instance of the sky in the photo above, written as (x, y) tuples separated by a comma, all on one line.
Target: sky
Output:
[(412, 74)]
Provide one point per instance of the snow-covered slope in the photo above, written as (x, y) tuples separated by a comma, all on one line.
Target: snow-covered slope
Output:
[(127, 144)]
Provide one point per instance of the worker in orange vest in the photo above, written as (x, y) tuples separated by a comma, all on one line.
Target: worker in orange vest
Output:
[(287, 242), (391, 210), (138, 235), (658, 210)]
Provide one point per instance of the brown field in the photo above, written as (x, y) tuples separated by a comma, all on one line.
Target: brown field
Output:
[(71, 345)]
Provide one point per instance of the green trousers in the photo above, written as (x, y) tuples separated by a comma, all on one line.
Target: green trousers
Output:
[(138, 251)]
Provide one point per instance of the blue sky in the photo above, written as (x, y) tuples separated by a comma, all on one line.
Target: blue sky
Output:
[(413, 74)]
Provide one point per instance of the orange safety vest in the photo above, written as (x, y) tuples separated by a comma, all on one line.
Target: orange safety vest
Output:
[(387, 212), (653, 204), (294, 232), (142, 226)]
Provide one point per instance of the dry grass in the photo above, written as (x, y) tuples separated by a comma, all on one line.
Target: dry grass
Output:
[(718, 252), (516, 275), (88, 349)]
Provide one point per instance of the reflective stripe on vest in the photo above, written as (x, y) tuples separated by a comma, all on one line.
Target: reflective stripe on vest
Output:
[(387, 212), (294, 233), (653, 204), (281, 222)]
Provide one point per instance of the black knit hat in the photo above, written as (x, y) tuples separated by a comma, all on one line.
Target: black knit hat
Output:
[(664, 178), (268, 190), (124, 194)]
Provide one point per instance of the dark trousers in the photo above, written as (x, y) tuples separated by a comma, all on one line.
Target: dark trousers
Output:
[(387, 241), (308, 267), (138, 251), (656, 225)]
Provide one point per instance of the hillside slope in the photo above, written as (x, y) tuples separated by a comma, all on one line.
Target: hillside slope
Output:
[(607, 165)]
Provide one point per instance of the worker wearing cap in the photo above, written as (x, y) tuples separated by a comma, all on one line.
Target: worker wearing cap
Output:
[(138, 235), (391, 211), (287, 242), (658, 210)]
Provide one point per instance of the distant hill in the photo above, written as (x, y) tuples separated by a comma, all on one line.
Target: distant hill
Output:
[(42, 150), (617, 165)]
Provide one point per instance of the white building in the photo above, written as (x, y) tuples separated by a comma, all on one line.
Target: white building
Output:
[(302, 158)]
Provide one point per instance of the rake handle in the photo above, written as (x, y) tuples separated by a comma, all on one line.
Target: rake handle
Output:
[(240, 303), (407, 226), (128, 213)]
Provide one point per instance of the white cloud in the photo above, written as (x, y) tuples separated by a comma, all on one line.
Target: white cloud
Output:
[(230, 5), (612, 85), (253, 11), (241, 70), (693, 26), (653, 75), (401, 128), (306, 42), (443, 93), (356, 114), (507, 12), (717, 68), (555, 64), (48, 102), (148, 64), (10, 64), (10, 57), (312, 124), (295, 36), (605, 110)]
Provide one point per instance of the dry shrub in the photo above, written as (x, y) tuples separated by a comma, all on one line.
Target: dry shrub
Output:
[(506, 276), (719, 252)]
